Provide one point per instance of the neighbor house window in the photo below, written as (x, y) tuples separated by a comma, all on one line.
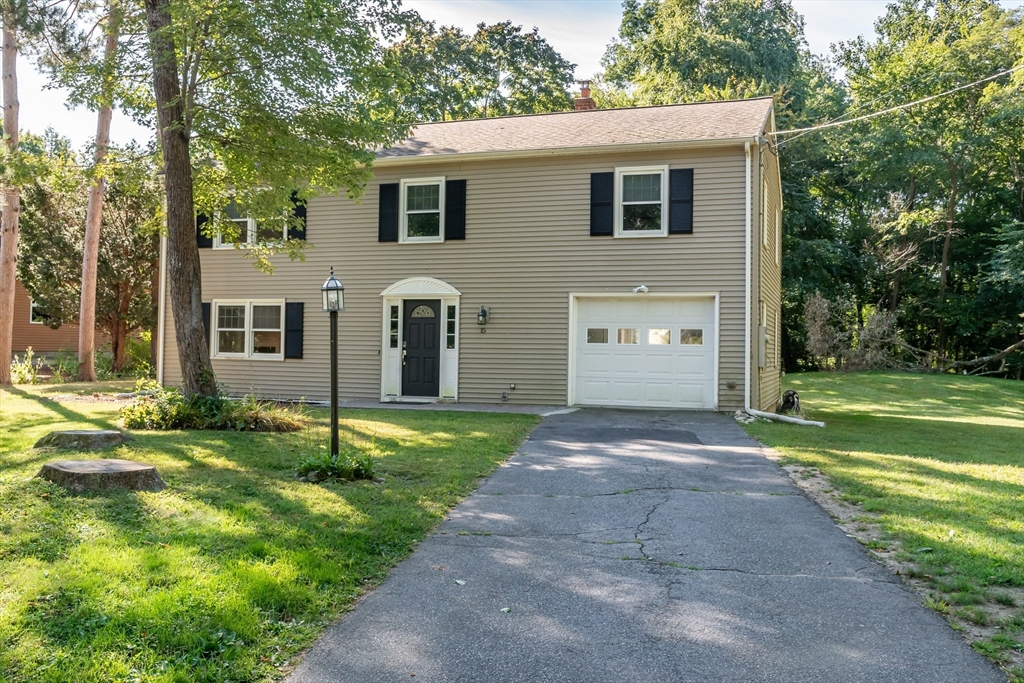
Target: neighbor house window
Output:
[(37, 316), (640, 206), (422, 209), (247, 231), (249, 330)]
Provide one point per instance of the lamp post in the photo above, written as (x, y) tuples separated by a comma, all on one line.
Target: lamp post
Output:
[(333, 293)]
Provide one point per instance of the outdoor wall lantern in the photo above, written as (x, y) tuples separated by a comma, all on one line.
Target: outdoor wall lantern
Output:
[(333, 293), (481, 316)]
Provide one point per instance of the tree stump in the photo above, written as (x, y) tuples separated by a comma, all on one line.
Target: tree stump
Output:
[(83, 439), (82, 475)]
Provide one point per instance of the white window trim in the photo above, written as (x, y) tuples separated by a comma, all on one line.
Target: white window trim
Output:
[(249, 354), (778, 236), (403, 233), (641, 170), (32, 314)]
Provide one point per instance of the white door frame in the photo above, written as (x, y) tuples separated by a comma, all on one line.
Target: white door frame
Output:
[(573, 310), (448, 363)]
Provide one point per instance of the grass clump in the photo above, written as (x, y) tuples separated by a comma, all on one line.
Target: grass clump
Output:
[(350, 465), (164, 408)]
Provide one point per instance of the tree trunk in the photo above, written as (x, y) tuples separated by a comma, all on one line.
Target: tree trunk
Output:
[(12, 197), (118, 344), (183, 269), (944, 274), (94, 214)]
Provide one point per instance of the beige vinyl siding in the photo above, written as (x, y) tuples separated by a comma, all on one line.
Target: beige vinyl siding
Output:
[(769, 278), (527, 247)]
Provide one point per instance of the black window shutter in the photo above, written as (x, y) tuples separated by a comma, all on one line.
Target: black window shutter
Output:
[(206, 322), (293, 329), (298, 211), (387, 218), (680, 198), (455, 210), (602, 198), (202, 241)]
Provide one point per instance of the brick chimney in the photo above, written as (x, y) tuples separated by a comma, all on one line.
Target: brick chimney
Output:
[(584, 102)]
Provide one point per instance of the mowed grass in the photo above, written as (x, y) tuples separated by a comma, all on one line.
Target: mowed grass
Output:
[(929, 455), (236, 566)]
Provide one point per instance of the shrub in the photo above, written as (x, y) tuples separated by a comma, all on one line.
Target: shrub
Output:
[(159, 408), (348, 464), (23, 371)]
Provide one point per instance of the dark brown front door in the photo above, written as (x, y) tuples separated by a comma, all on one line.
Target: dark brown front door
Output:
[(421, 348)]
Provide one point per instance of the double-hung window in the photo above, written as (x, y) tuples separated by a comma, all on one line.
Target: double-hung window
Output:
[(249, 330), (247, 231), (640, 205), (422, 210)]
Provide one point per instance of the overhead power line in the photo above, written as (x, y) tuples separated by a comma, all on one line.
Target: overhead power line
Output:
[(872, 115)]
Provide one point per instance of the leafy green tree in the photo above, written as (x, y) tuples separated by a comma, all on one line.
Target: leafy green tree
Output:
[(55, 219), (257, 103), (499, 70), (942, 178)]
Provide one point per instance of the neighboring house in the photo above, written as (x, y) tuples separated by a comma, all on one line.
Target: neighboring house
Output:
[(31, 329), (620, 257)]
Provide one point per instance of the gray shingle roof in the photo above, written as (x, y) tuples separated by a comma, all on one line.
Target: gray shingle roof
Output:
[(600, 127)]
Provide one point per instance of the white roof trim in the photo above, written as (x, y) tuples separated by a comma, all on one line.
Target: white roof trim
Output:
[(421, 285)]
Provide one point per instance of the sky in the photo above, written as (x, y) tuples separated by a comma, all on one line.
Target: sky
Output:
[(578, 29)]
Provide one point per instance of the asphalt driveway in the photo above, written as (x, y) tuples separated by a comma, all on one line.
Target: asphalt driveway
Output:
[(641, 546)]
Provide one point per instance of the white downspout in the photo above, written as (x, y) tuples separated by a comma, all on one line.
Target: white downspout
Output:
[(162, 311), (746, 302)]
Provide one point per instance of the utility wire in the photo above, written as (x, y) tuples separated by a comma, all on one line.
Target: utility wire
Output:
[(872, 115)]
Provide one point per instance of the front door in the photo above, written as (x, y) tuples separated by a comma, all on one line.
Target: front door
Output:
[(421, 348)]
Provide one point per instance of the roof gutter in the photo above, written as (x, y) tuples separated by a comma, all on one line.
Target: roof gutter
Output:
[(559, 151), (746, 298)]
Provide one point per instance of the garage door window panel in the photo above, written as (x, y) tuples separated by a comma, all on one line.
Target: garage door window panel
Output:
[(691, 337), (628, 335), (641, 202), (597, 335), (659, 336)]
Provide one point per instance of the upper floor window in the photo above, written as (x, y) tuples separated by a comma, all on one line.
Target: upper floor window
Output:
[(640, 207), (247, 231), (422, 210)]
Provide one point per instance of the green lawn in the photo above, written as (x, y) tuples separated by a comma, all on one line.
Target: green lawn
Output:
[(926, 455), (236, 566)]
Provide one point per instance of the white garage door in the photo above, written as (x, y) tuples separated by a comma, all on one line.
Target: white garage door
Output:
[(645, 351)]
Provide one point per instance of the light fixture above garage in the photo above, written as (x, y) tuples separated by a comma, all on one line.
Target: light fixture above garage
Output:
[(642, 289)]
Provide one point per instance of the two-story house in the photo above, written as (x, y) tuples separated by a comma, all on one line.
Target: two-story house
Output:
[(620, 257)]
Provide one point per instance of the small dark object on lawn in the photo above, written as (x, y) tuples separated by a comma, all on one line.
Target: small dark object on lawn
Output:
[(789, 403)]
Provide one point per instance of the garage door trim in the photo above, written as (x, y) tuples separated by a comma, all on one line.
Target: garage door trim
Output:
[(574, 298)]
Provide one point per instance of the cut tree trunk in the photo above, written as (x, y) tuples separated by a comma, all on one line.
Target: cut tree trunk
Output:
[(12, 197), (183, 268), (94, 214)]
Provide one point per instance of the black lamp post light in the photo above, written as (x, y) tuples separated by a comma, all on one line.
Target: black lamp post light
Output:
[(333, 293)]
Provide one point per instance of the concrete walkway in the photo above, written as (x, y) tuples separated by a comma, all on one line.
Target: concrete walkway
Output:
[(641, 546)]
